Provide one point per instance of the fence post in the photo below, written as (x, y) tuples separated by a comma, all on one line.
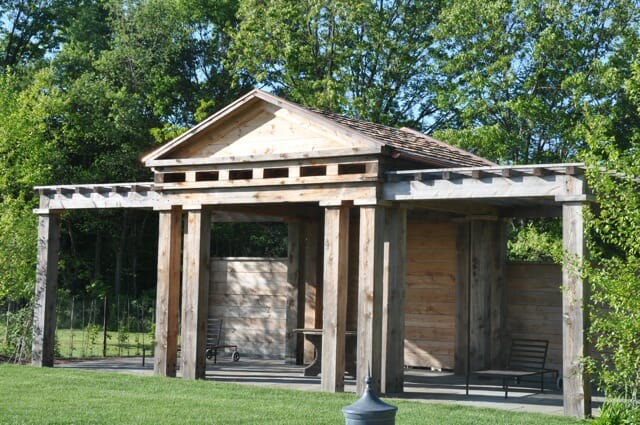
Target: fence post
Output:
[(104, 329)]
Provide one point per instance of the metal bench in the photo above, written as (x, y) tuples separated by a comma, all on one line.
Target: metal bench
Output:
[(214, 334), (527, 357)]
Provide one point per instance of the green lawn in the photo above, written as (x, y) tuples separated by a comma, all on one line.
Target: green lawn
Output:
[(61, 396)]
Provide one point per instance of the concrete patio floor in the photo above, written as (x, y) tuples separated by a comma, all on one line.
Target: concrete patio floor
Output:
[(420, 385)]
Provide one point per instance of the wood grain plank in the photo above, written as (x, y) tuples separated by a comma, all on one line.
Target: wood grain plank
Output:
[(168, 292), (336, 249)]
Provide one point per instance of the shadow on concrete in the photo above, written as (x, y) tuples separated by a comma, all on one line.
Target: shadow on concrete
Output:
[(420, 385)]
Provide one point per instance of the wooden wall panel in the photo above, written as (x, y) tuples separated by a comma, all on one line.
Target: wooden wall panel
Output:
[(534, 305), (249, 294), (430, 294), (264, 130)]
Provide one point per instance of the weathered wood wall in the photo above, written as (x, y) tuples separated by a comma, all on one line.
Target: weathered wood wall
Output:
[(534, 305), (249, 294), (430, 294)]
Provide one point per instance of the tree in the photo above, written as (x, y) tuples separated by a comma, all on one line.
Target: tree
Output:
[(28, 159), (117, 78), (366, 59), (509, 73), (29, 29), (614, 244), (133, 74)]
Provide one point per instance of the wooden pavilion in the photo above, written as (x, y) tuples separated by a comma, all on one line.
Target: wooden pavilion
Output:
[(365, 205)]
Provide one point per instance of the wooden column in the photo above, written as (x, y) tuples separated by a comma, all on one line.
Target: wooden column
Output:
[(311, 279), (480, 295), (575, 295), (168, 292), (195, 292), (293, 278), (44, 312), (336, 252), (498, 311), (463, 276), (371, 249), (393, 301)]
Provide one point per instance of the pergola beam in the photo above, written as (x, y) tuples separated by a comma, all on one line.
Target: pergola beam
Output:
[(469, 188)]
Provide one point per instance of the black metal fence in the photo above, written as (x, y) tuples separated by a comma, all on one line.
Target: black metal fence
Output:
[(117, 326), (86, 327)]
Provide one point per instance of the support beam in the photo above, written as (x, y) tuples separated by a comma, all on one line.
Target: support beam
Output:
[(168, 292), (311, 278), (575, 296), (195, 292), (498, 310), (480, 296), (44, 314), (370, 274), (336, 253), (393, 301), (293, 283), (463, 277)]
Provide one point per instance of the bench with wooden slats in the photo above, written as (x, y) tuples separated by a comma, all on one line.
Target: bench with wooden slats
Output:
[(527, 357)]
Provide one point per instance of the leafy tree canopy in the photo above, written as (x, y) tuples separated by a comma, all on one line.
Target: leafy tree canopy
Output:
[(514, 74), (362, 58)]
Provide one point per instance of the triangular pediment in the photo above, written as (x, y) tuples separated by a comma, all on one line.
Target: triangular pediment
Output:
[(264, 127)]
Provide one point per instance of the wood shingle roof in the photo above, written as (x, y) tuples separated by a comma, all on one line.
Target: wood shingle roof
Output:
[(410, 142)]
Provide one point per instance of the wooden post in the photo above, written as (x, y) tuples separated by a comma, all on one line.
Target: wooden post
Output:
[(311, 280), (293, 277), (336, 251), (575, 295), (369, 337), (463, 274), (480, 295), (44, 312), (498, 284), (393, 301), (168, 292), (195, 292)]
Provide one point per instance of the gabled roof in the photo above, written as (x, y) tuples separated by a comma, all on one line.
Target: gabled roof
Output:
[(359, 136)]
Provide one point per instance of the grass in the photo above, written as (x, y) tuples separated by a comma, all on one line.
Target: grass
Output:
[(62, 396)]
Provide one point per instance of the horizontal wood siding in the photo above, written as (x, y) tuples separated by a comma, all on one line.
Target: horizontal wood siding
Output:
[(430, 295), (249, 294), (534, 305)]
